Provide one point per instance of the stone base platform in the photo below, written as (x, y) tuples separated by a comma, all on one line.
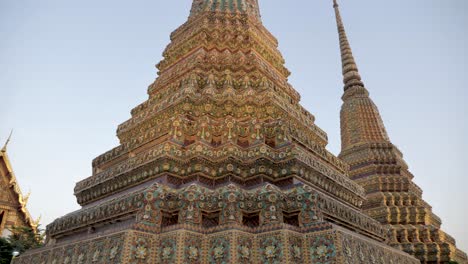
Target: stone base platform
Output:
[(324, 243)]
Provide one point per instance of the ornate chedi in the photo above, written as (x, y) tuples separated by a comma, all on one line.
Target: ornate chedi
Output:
[(377, 165), (220, 165), (13, 211)]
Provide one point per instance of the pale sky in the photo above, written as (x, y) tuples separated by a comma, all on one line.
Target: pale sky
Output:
[(71, 71)]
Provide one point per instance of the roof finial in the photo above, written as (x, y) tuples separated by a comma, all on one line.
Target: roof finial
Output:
[(26, 197), (4, 149), (36, 222), (351, 77)]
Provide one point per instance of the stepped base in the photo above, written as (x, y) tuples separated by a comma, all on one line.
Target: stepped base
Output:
[(158, 224), (323, 243)]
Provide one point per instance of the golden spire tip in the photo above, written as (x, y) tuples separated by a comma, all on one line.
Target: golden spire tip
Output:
[(8, 141)]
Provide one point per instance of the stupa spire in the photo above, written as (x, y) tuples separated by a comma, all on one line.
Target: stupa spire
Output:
[(378, 166), (248, 7), (351, 77), (360, 118)]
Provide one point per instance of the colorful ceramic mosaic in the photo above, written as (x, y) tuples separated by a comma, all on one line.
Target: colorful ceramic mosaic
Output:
[(192, 248), (323, 248), (271, 249), (245, 249), (168, 250), (220, 250), (220, 165), (296, 249)]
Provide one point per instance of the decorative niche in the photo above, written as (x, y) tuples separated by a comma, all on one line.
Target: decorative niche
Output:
[(210, 219), (251, 220), (169, 218), (291, 218)]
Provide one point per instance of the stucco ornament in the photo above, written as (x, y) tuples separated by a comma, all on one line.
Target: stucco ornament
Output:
[(270, 252), (219, 252), (80, 259), (361, 255), (113, 252), (96, 255), (141, 252), (166, 253), (66, 260), (348, 252), (322, 251), (297, 252), (193, 253), (245, 252)]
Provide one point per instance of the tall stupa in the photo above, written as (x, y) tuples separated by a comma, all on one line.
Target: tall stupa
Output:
[(378, 166), (220, 165)]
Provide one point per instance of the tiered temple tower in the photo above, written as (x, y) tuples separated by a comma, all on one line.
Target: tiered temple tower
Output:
[(220, 165), (377, 165)]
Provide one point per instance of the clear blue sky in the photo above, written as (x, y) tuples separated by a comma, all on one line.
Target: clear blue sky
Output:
[(70, 71)]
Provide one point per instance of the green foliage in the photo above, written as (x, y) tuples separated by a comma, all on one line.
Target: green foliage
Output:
[(24, 238), (453, 262), (21, 239), (5, 251)]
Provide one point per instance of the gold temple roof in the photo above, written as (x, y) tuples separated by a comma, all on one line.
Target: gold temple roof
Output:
[(15, 188)]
